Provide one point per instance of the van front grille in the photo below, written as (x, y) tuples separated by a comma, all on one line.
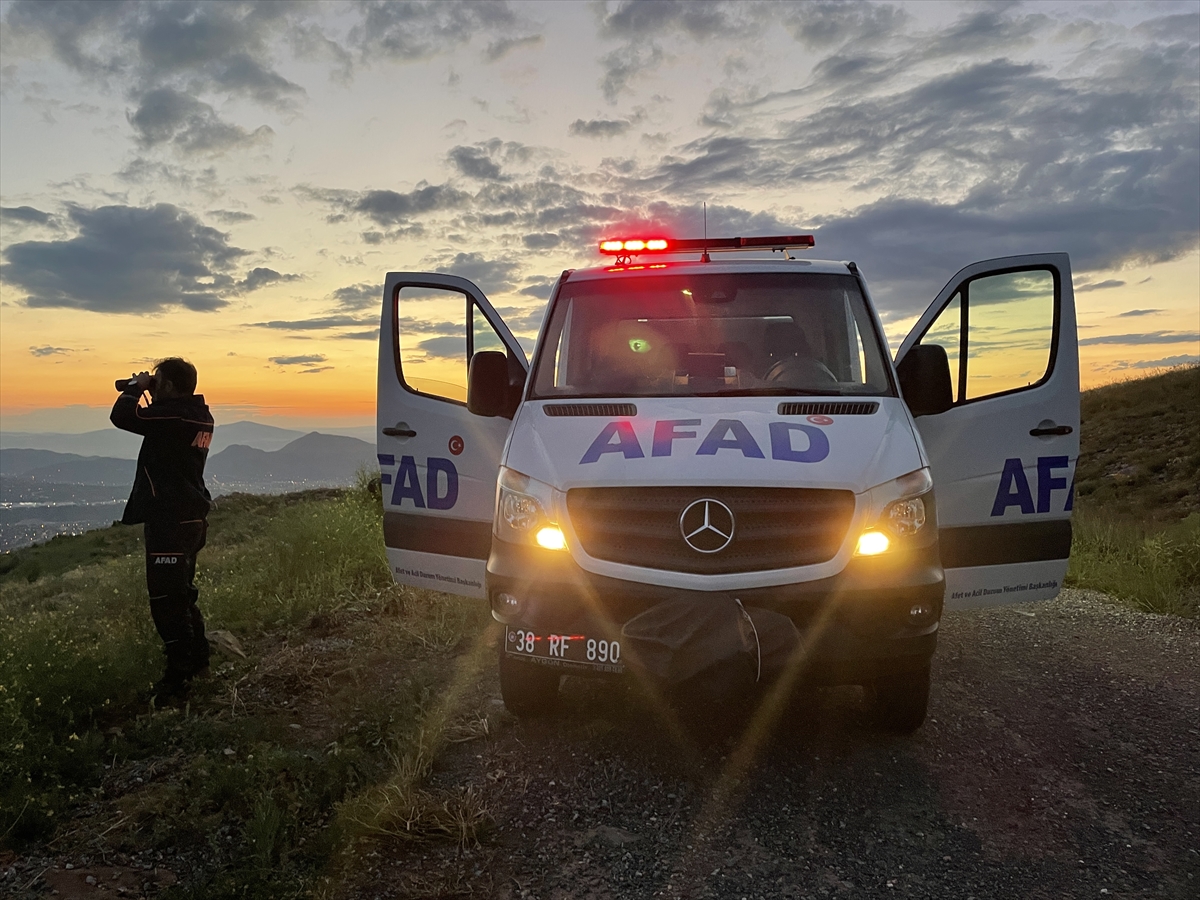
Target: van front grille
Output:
[(774, 528)]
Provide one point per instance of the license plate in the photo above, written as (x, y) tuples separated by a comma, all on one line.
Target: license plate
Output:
[(567, 651)]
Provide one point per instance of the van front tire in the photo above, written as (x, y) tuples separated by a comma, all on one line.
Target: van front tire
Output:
[(528, 689), (901, 701)]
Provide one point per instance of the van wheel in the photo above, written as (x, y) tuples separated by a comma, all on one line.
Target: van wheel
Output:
[(901, 701), (527, 688)]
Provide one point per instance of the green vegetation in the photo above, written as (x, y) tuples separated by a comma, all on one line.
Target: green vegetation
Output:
[(1137, 492), (287, 766), (282, 766)]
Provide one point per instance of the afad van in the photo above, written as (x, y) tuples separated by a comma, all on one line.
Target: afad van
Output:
[(713, 464)]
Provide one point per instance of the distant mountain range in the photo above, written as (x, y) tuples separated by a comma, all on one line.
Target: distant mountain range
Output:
[(118, 444), (46, 491), (309, 459)]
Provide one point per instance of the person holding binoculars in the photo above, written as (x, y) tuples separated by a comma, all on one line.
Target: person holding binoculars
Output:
[(170, 499)]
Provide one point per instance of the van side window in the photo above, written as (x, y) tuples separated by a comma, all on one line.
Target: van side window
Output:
[(998, 332), (432, 342), (483, 335), (1010, 330), (946, 332)]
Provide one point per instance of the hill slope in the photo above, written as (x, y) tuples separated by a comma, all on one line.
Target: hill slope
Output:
[(1140, 447)]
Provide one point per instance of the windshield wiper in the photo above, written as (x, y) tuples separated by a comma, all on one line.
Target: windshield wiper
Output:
[(780, 392)]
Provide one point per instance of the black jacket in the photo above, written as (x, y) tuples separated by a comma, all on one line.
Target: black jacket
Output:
[(169, 485)]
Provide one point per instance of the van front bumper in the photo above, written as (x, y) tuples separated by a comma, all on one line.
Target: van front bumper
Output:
[(854, 626)]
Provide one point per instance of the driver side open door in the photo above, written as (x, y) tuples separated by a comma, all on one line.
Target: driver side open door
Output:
[(438, 462), (1003, 453)]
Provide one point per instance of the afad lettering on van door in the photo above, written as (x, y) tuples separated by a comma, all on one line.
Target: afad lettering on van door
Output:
[(1014, 488), (789, 441), (440, 488)]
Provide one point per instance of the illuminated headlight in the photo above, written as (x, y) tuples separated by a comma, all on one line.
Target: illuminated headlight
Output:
[(896, 510), (524, 511), (872, 543)]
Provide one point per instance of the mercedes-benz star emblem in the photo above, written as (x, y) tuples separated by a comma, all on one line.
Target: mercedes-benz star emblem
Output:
[(706, 525)]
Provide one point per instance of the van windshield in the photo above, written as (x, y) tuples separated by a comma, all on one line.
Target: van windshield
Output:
[(783, 334)]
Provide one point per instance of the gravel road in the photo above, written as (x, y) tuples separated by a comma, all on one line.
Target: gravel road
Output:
[(1061, 759)]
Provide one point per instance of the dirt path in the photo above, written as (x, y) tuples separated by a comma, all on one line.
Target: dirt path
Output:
[(1061, 759)]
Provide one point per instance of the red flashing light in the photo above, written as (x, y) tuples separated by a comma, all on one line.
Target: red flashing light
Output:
[(625, 246), (628, 246)]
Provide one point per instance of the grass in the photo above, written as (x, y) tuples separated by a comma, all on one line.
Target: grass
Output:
[(1152, 568), (1137, 492), (279, 769)]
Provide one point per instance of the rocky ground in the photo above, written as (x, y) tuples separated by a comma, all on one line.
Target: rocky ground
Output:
[(1060, 759)]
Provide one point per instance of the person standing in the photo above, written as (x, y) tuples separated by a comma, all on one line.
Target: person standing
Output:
[(170, 500)]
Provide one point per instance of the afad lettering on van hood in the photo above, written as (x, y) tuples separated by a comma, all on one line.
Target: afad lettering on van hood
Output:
[(669, 443)]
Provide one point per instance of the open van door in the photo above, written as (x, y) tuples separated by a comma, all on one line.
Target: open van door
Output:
[(438, 462), (1003, 439)]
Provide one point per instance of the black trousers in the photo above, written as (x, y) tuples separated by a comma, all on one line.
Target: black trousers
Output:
[(171, 549)]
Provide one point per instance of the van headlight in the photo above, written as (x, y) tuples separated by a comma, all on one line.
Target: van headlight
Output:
[(896, 511), (525, 511)]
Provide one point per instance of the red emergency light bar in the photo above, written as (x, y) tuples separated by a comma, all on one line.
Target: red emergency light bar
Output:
[(628, 246)]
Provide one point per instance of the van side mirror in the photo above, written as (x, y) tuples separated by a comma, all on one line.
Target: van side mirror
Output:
[(925, 380), (488, 392)]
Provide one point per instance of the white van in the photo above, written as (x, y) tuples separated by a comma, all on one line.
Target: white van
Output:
[(702, 427)]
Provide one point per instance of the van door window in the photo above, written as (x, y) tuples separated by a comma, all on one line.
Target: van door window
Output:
[(483, 335), (433, 342), (946, 332), (1010, 330), (439, 330), (998, 333)]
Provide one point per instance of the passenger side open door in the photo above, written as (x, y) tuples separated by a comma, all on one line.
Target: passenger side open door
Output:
[(1002, 428), (438, 462)]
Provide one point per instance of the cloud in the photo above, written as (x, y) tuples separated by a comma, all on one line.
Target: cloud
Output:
[(231, 216), (522, 319), (474, 162), (126, 259), (1166, 362), (543, 241), (625, 63), (644, 25), (1153, 337), (169, 116), (49, 351), (1139, 312), (358, 296), (309, 360), (261, 277), (386, 207), (490, 275), (599, 128), (26, 214), (160, 52), (825, 24), (315, 371), (448, 347), (501, 48), (1100, 286), (638, 19), (539, 287), (318, 323), (421, 29)]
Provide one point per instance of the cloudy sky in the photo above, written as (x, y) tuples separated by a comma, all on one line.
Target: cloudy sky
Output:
[(229, 181)]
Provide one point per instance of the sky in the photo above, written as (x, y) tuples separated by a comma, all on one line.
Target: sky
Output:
[(230, 181)]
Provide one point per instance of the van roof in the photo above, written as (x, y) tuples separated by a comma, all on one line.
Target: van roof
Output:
[(719, 266)]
